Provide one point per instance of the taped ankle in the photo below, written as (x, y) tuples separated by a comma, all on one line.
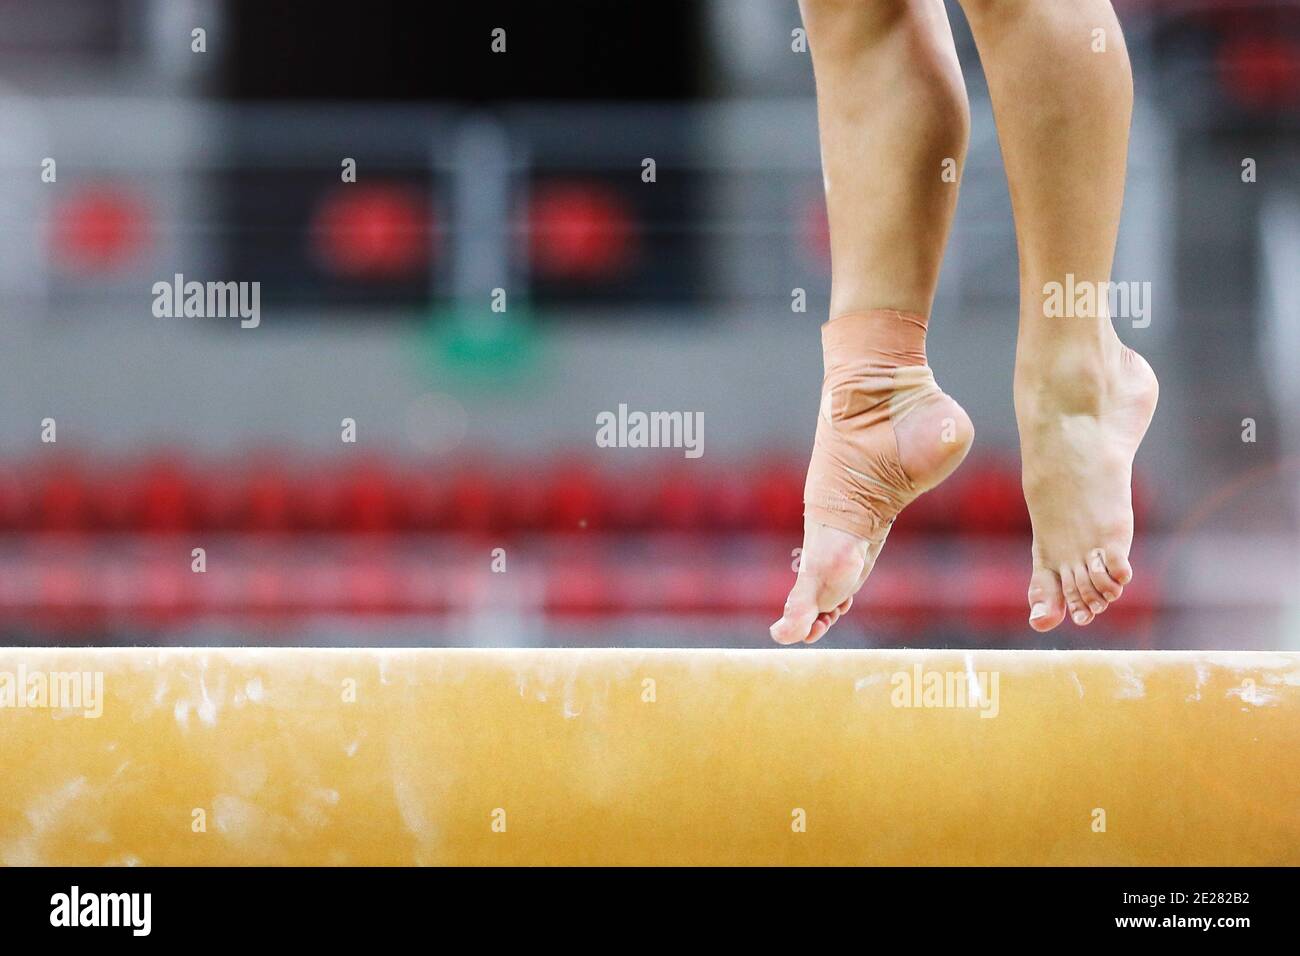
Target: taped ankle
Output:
[(875, 376)]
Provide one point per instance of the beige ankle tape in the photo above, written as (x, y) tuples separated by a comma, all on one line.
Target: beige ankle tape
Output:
[(876, 374)]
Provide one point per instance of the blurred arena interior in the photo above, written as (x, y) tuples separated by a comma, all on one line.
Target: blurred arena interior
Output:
[(474, 429)]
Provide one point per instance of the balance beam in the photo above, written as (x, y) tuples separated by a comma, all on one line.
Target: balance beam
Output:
[(395, 757)]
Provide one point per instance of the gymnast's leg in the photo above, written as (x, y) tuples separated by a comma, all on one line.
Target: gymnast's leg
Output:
[(894, 125)]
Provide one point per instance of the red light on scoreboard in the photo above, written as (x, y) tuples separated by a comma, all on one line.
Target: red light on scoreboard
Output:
[(580, 230), (372, 232), (1261, 72), (98, 229)]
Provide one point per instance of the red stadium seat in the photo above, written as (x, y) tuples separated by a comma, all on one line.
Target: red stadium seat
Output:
[(778, 496), (577, 498), (732, 501), (368, 501), (63, 499), (269, 501), (990, 501), (681, 503), (166, 497)]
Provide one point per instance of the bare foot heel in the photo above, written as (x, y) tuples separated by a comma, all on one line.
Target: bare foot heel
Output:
[(1077, 446)]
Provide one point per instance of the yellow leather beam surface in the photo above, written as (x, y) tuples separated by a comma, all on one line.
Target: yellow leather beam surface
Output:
[(352, 756)]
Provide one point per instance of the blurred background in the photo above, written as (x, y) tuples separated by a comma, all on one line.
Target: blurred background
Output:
[(400, 454)]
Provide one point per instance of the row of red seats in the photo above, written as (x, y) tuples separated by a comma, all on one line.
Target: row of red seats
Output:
[(272, 495), (142, 593)]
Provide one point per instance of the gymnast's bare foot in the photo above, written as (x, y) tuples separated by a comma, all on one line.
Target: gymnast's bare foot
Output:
[(932, 441), (1081, 422)]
